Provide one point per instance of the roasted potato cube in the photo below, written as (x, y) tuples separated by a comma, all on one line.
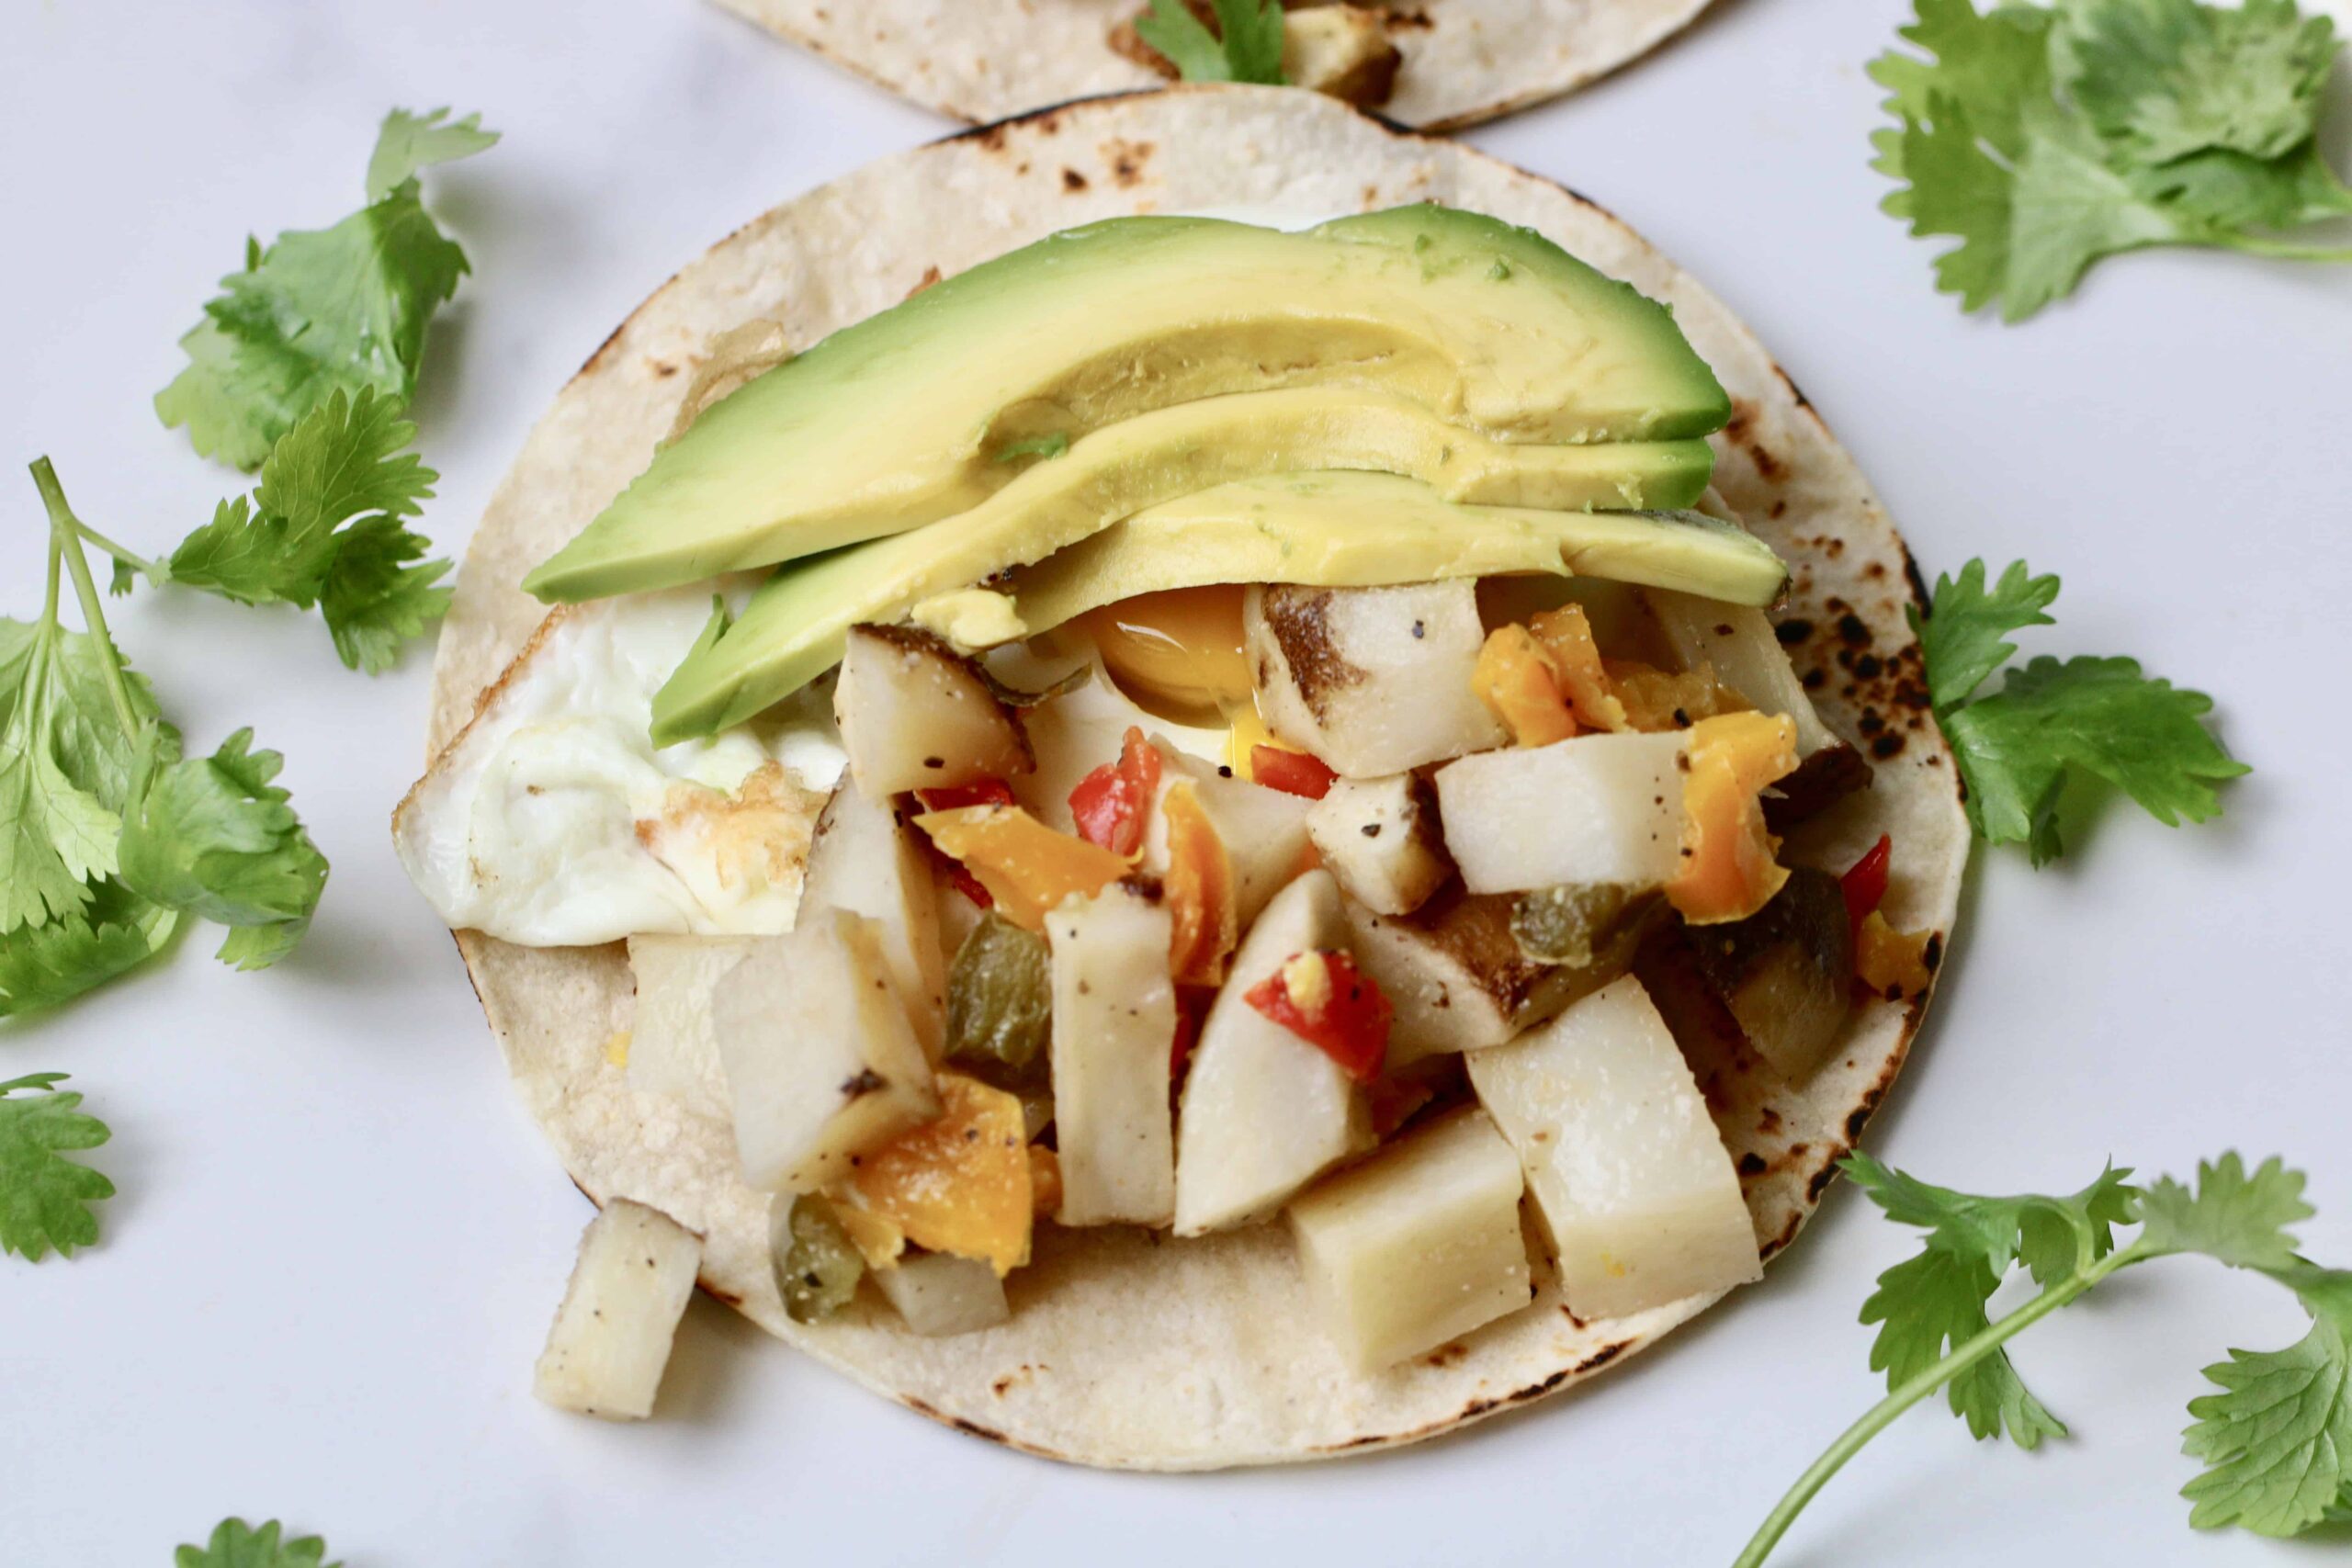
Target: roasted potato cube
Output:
[(1342, 50), (1115, 1019), (1592, 808), (612, 1335), (1373, 681), (914, 713), (1628, 1172), (821, 1063), (1419, 1245), (937, 1295), (1263, 830), (1458, 978), (671, 1048), (1264, 1112), (866, 858), (1379, 839)]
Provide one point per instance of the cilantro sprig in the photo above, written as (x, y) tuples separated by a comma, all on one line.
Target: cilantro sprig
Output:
[(323, 530), (236, 1544), (110, 835), (2045, 139), (303, 367), (2276, 1441), (319, 312), (2018, 746), (1245, 46), (45, 1198)]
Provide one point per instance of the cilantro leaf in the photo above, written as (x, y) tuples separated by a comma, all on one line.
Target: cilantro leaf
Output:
[(2044, 140), (2103, 715), (323, 311), (45, 1198), (1967, 637), (1247, 45), (346, 457), (409, 143), (323, 528), (2276, 1441), (380, 593), (236, 1544), (2139, 733), (214, 837), (64, 769), (2166, 78), (2222, 189), (46, 965), (2230, 1215), (1933, 1303)]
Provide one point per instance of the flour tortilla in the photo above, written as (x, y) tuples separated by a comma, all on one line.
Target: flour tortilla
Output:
[(1463, 60), (1124, 1350)]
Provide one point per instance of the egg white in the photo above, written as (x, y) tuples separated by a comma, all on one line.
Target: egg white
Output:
[(553, 821)]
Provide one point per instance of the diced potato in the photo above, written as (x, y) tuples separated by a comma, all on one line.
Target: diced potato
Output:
[(821, 1060), (1737, 642), (961, 1184), (1458, 978), (1595, 809), (914, 713), (612, 1335), (1627, 1170), (1264, 1112), (867, 859), (673, 1050), (1372, 680), (1263, 830), (938, 1296), (1340, 49), (1419, 1245), (1114, 1020), (1379, 839)]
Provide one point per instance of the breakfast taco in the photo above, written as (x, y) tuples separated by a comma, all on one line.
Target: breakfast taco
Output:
[(1191, 840), (1433, 64)]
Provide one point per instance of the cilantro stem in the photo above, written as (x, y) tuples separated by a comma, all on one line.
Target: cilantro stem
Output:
[(2285, 250), (65, 539), (1882, 1415), (130, 558)]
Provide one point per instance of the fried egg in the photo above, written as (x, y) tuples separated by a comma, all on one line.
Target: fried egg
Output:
[(552, 821)]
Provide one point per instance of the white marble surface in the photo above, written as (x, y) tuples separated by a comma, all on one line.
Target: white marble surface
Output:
[(338, 1243)]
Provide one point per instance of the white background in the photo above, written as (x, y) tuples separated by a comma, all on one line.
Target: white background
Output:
[(338, 1242)]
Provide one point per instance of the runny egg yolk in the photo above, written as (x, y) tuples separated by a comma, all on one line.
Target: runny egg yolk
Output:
[(1178, 653)]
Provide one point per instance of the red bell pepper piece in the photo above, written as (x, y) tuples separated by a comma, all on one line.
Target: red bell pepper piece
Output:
[(964, 882), (1110, 804), (1293, 773), (985, 792), (1340, 1010), (1864, 884)]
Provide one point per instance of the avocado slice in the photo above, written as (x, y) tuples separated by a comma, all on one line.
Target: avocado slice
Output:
[(917, 413), (1353, 530), (792, 630)]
